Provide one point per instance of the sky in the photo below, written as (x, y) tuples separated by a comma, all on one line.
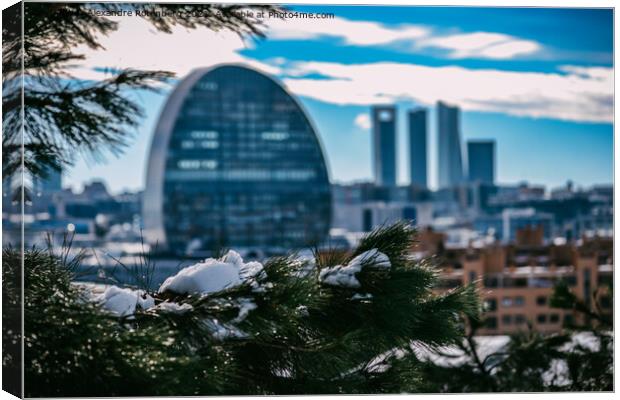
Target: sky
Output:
[(539, 81)]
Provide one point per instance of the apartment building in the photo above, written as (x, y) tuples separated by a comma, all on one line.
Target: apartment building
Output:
[(516, 281)]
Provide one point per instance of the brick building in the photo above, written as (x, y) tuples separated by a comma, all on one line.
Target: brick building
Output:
[(517, 280)]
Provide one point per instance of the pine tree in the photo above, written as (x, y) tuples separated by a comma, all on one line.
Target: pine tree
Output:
[(579, 358), (303, 334), (63, 117)]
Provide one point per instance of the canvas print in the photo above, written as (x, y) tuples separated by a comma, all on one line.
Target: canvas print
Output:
[(246, 199)]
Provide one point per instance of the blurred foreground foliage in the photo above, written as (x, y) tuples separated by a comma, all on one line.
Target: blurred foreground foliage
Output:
[(50, 114), (580, 358), (303, 337)]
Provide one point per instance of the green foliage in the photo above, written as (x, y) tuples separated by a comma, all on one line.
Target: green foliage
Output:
[(11, 322), (302, 338), (563, 298), (580, 358)]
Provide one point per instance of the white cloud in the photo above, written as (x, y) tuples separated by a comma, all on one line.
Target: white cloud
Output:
[(414, 37), (482, 45), (571, 96), (574, 93), (136, 44), (600, 73), (362, 121), (360, 33)]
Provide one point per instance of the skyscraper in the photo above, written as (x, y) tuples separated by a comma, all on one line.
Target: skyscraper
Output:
[(449, 145), (481, 161), (234, 162), (384, 144), (417, 147)]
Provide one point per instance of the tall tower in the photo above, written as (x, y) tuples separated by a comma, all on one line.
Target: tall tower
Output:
[(417, 147), (481, 161), (450, 158), (384, 144)]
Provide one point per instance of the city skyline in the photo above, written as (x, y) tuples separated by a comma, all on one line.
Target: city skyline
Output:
[(540, 141)]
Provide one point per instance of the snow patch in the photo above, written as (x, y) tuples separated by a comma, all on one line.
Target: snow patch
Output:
[(304, 264), (245, 306), (172, 308), (214, 275), (373, 258), (359, 296), (344, 275), (124, 301), (303, 311), (222, 331)]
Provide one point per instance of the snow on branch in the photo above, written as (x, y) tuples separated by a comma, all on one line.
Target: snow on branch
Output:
[(214, 275), (345, 275)]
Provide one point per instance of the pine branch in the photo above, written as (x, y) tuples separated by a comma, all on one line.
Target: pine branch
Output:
[(300, 336), (65, 117)]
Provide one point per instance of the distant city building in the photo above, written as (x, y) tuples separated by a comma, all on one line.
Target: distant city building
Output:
[(234, 162), (481, 161), (417, 147), (384, 144), (449, 145), (504, 226), (96, 189), (517, 280)]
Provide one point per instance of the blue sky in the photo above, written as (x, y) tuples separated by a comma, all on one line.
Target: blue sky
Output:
[(538, 81)]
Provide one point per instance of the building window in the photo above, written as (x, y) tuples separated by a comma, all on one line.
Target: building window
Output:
[(490, 304), (472, 276), (491, 281), (571, 280), (519, 319), (208, 164), (204, 134), (541, 318), (554, 318), (568, 319), (385, 116), (276, 136), (515, 282), (605, 302), (490, 323), (209, 144), (506, 319), (519, 301), (187, 144), (541, 300), (507, 302), (188, 164)]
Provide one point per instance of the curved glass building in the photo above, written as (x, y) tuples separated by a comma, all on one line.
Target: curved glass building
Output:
[(234, 162)]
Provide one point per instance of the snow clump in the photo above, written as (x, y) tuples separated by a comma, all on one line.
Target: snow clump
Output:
[(172, 308), (124, 301), (222, 331), (245, 306), (214, 275), (344, 275)]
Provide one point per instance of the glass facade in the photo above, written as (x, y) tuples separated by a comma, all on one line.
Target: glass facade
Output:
[(384, 145), (449, 144), (481, 161), (243, 168), (417, 147)]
